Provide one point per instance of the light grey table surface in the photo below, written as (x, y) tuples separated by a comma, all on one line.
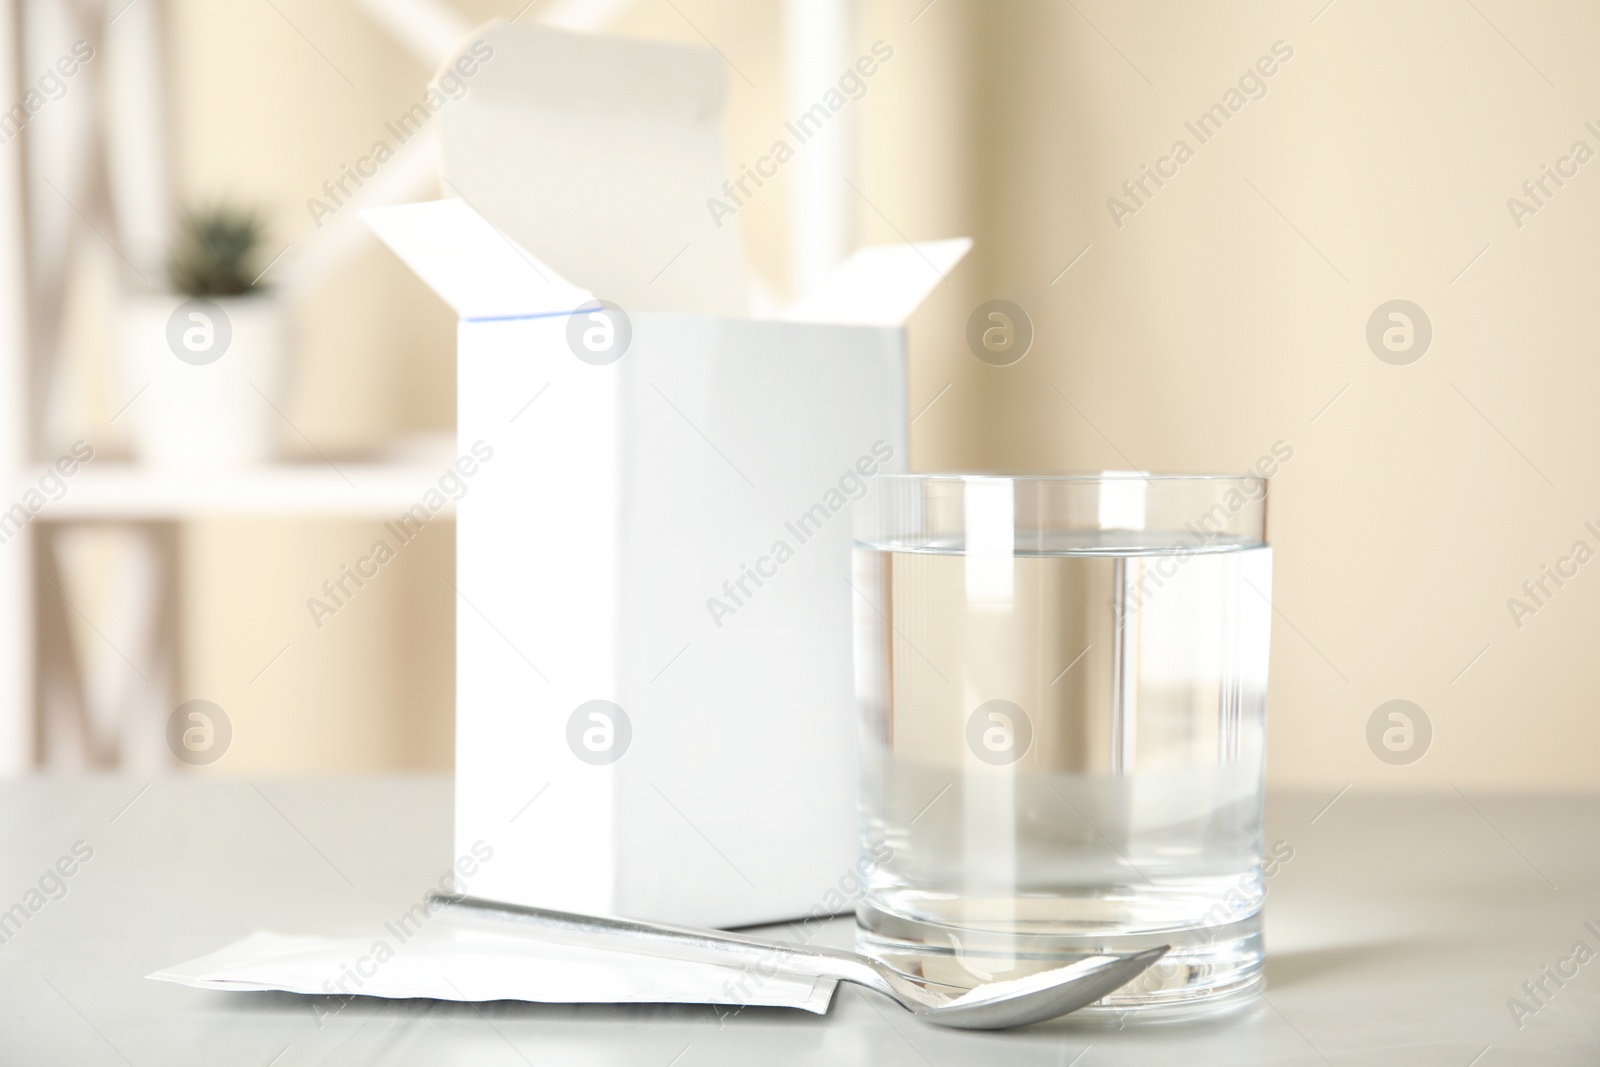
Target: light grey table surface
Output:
[(1397, 934)]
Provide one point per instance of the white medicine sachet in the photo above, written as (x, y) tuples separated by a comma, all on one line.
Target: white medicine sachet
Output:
[(446, 961)]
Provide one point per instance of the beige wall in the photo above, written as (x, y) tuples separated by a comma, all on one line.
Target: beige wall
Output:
[(1221, 318)]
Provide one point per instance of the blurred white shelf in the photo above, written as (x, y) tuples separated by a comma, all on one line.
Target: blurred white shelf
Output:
[(305, 490)]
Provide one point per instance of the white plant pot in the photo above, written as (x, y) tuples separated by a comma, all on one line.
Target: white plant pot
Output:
[(207, 376)]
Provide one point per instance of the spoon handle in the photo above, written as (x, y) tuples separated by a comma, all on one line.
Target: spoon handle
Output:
[(764, 958)]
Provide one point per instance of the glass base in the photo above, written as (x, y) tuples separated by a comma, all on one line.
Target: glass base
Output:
[(1207, 968)]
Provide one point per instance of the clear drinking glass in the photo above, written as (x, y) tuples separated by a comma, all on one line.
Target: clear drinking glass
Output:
[(1062, 691)]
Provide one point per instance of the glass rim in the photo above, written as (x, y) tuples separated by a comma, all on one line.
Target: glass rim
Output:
[(1113, 505)]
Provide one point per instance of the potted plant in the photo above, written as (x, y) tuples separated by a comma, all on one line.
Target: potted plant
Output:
[(204, 360)]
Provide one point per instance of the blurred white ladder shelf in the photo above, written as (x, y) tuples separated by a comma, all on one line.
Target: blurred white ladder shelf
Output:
[(132, 493), (150, 503)]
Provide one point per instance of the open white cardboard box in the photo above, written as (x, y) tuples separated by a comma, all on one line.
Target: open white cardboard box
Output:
[(711, 463)]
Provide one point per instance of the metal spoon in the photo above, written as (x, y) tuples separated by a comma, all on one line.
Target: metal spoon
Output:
[(991, 1006)]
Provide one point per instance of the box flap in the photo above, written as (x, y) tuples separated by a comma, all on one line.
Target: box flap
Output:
[(599, 153), (881, 285), (479, 271)]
